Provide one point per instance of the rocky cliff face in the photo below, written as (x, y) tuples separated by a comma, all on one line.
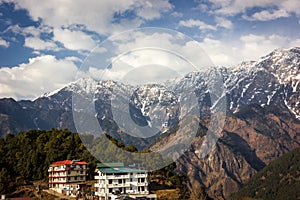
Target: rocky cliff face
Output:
[(251, 139)]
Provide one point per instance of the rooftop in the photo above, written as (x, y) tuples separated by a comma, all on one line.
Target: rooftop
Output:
[(69, 162), (117, 168)]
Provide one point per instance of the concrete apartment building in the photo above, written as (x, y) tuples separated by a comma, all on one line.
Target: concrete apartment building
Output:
[(67, 176), (114, 181)]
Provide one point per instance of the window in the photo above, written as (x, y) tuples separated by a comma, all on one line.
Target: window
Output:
[(81, 172), (110, 181), (110, 190), (69, 172), (120, 181), (75, 178)]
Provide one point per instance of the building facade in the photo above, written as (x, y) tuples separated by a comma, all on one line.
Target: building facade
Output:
[(66, 176), (115, 181)]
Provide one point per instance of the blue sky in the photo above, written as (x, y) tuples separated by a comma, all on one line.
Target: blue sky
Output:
[(43, 43)]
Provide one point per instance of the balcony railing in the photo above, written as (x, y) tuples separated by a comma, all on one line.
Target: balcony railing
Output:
[(139, 175), (137, 192), (121, 176), (115, 177), (118, 185), (142, 184), (56, 169)]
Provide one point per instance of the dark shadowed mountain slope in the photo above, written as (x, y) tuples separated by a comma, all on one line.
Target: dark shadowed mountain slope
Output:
[(279, 180)]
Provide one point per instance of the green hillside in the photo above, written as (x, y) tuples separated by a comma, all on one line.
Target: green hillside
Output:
[(279, 180)]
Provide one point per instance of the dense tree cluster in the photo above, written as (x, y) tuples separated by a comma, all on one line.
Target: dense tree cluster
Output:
[(278, 180), (29, 154)]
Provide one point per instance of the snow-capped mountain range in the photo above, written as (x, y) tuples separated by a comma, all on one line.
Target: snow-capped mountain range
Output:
[(272, 80)]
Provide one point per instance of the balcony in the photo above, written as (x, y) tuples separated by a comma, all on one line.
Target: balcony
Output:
[(113, 185), (115, 177), (57, 170), (57, 176), (100, 185), (76, 168), (98, 177), (137, 192), (57, 181), (142, 184), (140, 175)]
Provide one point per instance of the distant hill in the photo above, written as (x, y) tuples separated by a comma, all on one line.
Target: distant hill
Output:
[(279, 180)]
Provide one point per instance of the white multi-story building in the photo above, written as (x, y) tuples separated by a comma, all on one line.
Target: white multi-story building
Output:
[(115, 181), (66, 176)]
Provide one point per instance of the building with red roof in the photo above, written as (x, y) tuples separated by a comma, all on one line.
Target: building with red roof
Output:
[(67, 176)]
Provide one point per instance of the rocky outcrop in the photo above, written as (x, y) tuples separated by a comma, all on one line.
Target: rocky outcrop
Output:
[(251, 139)]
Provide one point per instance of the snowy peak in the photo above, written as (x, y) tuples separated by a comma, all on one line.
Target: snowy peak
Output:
[(283, 63)]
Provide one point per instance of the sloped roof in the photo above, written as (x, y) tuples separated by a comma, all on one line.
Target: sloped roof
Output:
[(116, 168), (110, 165), (121, 170), (69, 162)]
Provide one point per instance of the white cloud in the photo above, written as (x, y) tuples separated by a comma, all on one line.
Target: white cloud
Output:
[(33, 39), (220, 52), (167, 46), (251, 38), (266, 15), (145, 56), (4, 43), (291, 6), (238, 6), (255, 46), (234, 7), (40, 75), (177, 14), (249, 47), (38, 44), (225, 23), (152, 9), (35, 31), (202, 7), (74, 40), (94, 14), (196, 23)]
